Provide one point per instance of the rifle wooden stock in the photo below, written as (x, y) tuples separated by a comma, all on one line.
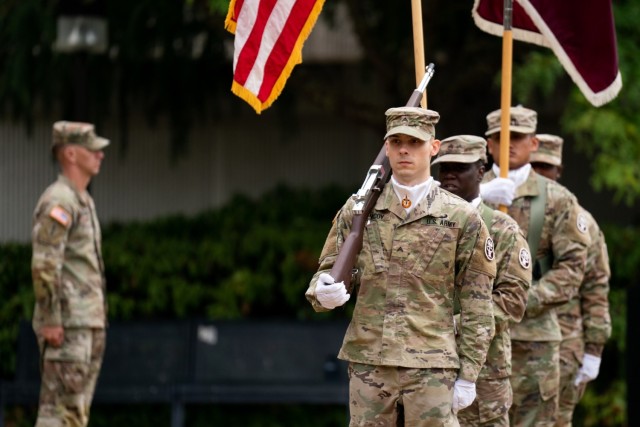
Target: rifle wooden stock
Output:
[(378, 175)]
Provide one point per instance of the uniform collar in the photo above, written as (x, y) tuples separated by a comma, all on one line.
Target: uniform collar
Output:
[(430, 205), (82, 197)]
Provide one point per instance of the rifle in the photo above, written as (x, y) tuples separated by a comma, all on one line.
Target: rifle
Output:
[(365, 199)]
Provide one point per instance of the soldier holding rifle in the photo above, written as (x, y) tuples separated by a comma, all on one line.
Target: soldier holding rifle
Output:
[(421, 245)]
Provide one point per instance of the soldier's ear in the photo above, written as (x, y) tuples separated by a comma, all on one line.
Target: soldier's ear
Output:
[(535, 143), (481, 170), (435, 147)]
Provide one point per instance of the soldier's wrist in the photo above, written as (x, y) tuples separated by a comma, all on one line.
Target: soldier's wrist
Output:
[(594, 349)]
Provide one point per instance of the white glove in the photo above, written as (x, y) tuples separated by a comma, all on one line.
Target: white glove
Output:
[(589, 369), (499, 191), (330, 294), (464, 393)]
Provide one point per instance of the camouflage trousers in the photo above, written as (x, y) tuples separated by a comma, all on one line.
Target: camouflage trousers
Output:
[(69, 374), (491, 407), (535, 380), (571, 353), (390, 396)]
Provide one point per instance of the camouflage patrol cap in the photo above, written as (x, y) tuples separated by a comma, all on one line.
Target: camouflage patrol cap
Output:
[(522, 120), (462, 149), (77, 133), (549, 150), (414, 121)]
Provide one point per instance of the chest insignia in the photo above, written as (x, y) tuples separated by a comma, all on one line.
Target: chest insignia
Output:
[(406, 203)]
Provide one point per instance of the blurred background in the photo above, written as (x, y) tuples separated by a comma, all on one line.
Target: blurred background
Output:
[(213, 213)]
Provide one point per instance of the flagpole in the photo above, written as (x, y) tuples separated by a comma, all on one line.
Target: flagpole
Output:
[(418, 45), (505, 98)]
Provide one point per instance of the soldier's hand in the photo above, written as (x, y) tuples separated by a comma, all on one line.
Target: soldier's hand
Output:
[(499, 191), (330, 294), (464, 393), (589, 369), (53, 335)]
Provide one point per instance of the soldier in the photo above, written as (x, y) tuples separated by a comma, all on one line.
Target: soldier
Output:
[(421, 246), (550, 217), (584, 320), (68, 280), (461, 168)]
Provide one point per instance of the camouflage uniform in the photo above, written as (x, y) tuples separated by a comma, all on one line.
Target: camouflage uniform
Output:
[(69, 287), (402, 327), (513, 278), (536, 339), (584, 320)]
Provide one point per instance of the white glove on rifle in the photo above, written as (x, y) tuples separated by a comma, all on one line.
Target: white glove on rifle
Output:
[(330, 294), (464, 393), (499, 191), (589, 369)]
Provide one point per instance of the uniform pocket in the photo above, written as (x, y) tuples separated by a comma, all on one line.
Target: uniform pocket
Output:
[(428, 240), (373, 244), (549, 384), (494, 398), (75, 348)]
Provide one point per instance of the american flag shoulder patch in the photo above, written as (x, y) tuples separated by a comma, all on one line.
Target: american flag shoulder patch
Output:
[(60, 215)]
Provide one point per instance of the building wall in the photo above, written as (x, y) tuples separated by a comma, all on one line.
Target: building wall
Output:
[(248, 155)]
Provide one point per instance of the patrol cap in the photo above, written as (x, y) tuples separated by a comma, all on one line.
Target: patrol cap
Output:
[(415, 121), (549, 150), (462, 149), (77, 133), (521, 120)]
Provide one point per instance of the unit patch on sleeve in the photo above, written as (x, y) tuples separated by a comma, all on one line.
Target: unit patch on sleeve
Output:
[(582, 223), (524, 258), (489, 250)]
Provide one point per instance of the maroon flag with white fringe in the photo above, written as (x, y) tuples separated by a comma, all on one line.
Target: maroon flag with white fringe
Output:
[(581, 33)]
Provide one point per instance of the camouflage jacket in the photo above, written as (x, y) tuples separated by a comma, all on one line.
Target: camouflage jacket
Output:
[(410, 266), (67, 267), (513, 279), (586, 316), (565, 239)]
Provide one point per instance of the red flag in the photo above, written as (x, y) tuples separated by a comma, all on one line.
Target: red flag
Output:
[(580, 32), (269, 35)]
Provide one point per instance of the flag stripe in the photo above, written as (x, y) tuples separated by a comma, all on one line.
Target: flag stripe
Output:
[(288, 41), (249, 44), (269, 35), (271, 41)]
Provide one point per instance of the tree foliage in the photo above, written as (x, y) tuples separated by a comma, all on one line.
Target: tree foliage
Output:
[(608, 135)]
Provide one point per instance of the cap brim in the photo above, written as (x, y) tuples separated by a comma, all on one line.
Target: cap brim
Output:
[(519, 129), (456, 158), (544, 158), (98, 144), (409, 130)]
